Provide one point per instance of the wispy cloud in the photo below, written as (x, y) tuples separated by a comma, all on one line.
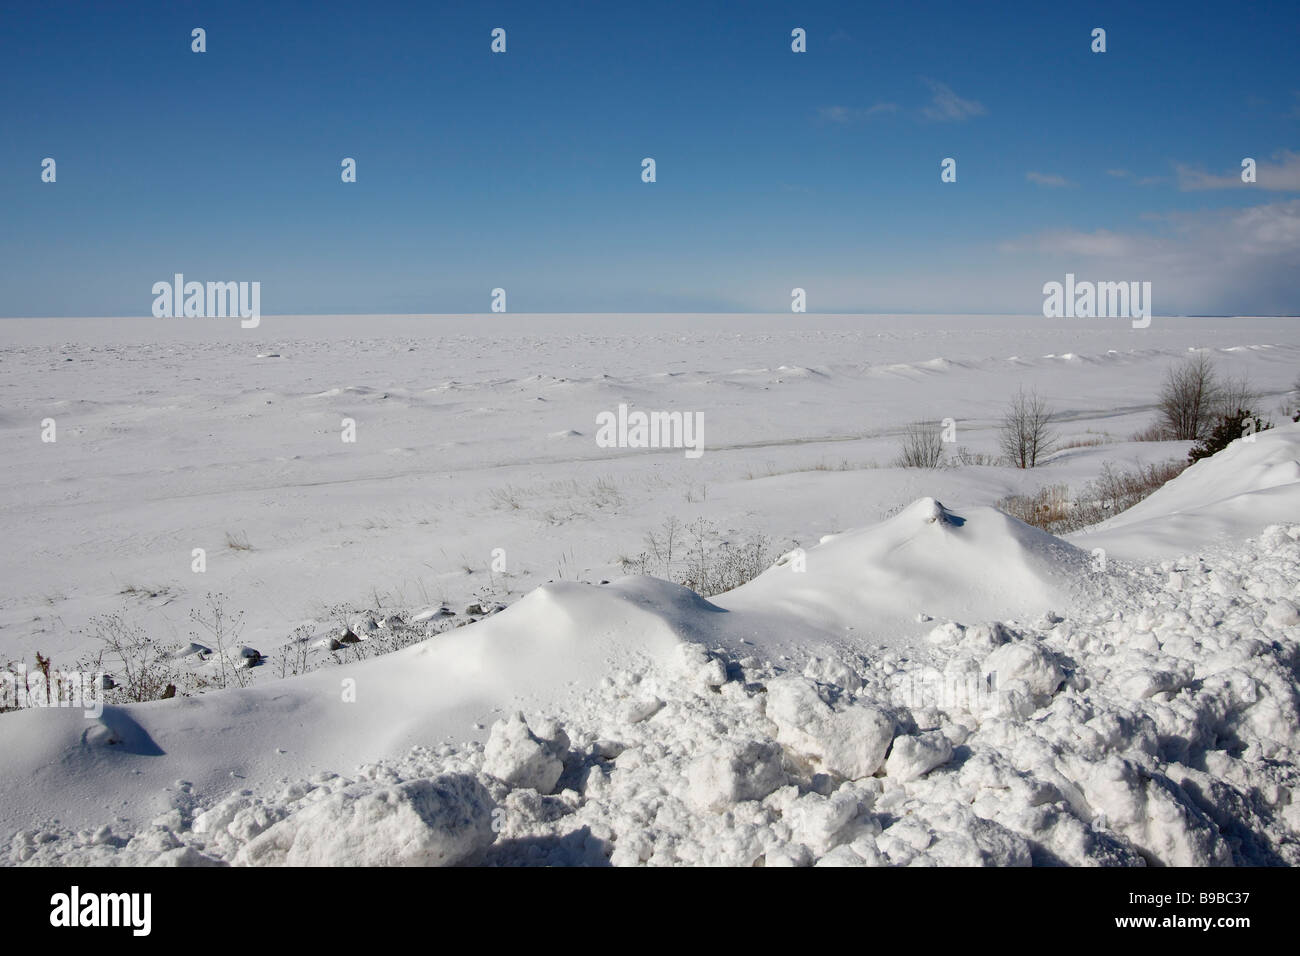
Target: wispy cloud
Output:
[(1280, 176), (1141, 181), (1230, 260), (946, 106), (847, 115), (1048, 179)]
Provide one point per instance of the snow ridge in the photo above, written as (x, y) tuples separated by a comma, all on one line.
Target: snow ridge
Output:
[(1160, 727)]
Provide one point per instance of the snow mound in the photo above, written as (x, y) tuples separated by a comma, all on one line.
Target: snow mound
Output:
[(885, 582), (1229, 496), (551, 644)]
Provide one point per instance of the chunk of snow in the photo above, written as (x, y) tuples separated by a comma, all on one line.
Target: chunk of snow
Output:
[(435, 822)]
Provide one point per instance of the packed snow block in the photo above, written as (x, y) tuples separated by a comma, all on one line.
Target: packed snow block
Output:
[(440, 821), (831, 671), (185, 856), (848, 738), (1144, 682), (824, 822), (1155, 814), (734, 772), (1282, 614), (913, 757), (700, 667), (1027, 662), (519, 758)]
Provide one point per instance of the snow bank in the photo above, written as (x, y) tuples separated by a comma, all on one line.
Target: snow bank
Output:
[(1226, 497), (1161, 726)]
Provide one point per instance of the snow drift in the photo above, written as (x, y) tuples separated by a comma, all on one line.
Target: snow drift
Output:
[(948, 686), (1226, 497)]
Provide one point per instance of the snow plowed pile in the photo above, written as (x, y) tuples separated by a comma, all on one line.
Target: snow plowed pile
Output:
[(948, 687)]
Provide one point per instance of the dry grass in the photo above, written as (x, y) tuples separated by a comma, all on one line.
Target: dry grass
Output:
[(1082, 441), (238, 542), (1153, 432), (1053, 509)]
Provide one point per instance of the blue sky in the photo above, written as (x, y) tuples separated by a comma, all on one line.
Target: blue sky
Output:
[(774, 169)]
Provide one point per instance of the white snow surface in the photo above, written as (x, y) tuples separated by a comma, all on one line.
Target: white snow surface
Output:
[(1159, 725), (944, 686)]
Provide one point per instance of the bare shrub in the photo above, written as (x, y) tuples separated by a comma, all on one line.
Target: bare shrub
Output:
[(664, 546), (1235, 395), (295, 655), (147, 667), (922, 446), (1052, 509), (1047, 508), (1156, 431), (1026, 436), (223, 629), (964, 456), (714, 566), (1189, 398)]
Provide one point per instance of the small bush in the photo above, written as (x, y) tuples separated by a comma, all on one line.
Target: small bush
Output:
[(1226, 430), (694, 556), (922, 447)]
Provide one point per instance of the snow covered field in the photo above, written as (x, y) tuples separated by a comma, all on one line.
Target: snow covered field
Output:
[(940, 685)]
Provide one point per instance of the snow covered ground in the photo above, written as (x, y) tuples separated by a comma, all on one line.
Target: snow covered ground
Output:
[(928, 681)]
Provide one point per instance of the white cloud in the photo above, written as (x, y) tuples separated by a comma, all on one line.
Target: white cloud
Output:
[(1280, 176), (849, 114), (1047, 179), (947, 106)]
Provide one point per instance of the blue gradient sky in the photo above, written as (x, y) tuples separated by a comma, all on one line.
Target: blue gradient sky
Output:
[(775, 169)]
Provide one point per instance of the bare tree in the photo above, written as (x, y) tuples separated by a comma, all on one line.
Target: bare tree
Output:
[(1189, 398), (1236, 395), (1026, 435), (922, 446)]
